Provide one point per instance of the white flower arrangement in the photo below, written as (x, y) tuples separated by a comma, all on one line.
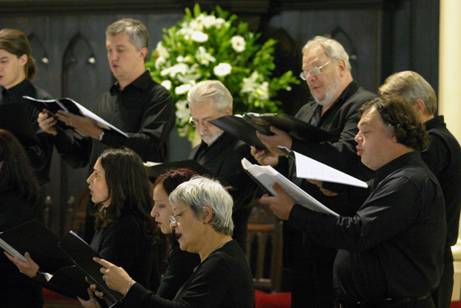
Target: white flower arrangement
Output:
[(217, 46)]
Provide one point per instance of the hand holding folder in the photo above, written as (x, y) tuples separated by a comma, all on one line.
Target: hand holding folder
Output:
[(53, 106), (245, 127), (68, 261), (306, 168)]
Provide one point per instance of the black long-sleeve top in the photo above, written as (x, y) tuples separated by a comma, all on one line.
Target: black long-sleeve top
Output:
[(340, 120), (222, 280), (143, 109), (443, 157), (393, 246), (180, 265), (126, 243), (39, 152)]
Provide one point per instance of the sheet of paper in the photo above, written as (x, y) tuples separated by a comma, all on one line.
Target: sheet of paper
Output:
[(103, 123), (308, 168), (268, 176)]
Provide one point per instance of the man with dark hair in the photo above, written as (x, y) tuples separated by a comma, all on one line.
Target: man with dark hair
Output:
[(390, 252), (442, 156), (135, 104)]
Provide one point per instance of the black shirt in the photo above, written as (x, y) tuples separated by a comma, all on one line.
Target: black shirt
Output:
[(443, 157), (222, 280), (393, 246), (41, 151), (339, 120), (143, 109), (180, 265), (223, 160), (126, 243)]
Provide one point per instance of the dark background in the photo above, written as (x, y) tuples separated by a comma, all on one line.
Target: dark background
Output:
[(68, 41)]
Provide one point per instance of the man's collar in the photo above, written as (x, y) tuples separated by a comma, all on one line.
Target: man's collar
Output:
[(397, 163), (141, 83)]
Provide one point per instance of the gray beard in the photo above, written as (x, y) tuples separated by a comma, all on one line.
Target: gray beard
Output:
[(327, 99), (210, 140)]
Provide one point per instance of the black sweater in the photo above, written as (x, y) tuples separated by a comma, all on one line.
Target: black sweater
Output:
[(222, 280)]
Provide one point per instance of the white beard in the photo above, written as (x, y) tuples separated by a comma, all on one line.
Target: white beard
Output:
[(210, 139), (329, 94)]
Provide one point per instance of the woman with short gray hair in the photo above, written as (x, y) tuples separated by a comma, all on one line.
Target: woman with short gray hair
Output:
[(202, 222)]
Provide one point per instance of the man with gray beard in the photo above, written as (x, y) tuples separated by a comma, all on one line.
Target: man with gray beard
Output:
[(334, 108), (219, 152)]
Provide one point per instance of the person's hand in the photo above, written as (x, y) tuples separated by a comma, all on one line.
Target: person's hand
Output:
[(47, 123), (281, 204), (27, 267), (115, 277), (265, 157), (279, 138), (324, 191), (84, 125), (92, 302)]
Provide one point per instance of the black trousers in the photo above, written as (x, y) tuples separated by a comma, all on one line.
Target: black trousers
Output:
[(312, 282), (442, 294)]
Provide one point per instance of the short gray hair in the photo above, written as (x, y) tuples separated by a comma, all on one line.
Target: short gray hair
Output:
[(213, 90), (333, 49), (201, 192), (135, 29), (410, 86)]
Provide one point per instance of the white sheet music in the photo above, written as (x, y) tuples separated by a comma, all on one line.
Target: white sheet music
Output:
[(308, 168), (268, 176)]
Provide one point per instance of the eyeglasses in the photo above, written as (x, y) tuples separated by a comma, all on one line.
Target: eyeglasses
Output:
[(195, 123), (315, 71), (173, 219), (203, 122)]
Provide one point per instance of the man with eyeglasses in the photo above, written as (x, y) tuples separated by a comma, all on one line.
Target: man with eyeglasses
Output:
[(219, 152), (335, 108)]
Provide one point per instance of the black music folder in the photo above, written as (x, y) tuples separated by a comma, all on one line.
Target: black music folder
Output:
[(67, 263), (295, 127), (15, 118), (245, 127), (41, 243), (239, 128), (82, 255), (52, 106)]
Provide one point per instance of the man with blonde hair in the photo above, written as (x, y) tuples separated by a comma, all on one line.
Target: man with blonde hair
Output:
[(134, 103), (442, 156), (219, 152), (334, 108)]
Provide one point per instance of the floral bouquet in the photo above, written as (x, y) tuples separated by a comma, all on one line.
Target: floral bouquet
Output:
[(217, 46)]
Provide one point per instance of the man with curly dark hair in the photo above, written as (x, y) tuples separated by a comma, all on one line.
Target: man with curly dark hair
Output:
[(390, 252), (442, 156)]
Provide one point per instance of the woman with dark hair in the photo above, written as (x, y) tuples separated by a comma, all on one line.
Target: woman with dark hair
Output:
[(180, 264), (121, 191), (18, 201), (17, 70)]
